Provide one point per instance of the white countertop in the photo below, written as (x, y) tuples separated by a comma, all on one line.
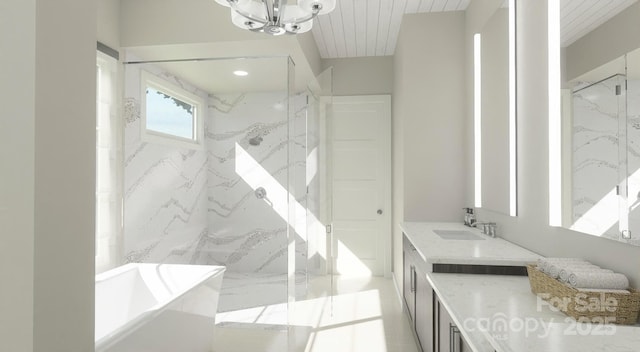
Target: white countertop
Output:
[(481, 304), (490, 251)]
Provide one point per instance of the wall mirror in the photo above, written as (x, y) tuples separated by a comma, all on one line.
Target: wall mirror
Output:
[(498, 111), (600, 132)]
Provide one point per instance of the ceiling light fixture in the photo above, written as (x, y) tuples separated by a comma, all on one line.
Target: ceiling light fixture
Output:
[(240, 73), (276, 17)]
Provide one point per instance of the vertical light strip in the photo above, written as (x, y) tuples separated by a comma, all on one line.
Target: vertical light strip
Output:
[(513, 180), (477, 118), (555, 165)]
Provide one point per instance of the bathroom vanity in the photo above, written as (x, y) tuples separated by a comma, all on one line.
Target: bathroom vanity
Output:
[(449, 248), (465, 291)]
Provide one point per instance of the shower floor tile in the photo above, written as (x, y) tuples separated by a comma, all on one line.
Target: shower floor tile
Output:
[(363, 314)]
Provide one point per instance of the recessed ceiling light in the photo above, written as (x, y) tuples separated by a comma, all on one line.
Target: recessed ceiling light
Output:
[(240, 73)]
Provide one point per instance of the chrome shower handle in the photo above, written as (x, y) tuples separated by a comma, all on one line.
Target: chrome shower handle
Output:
[(260, 193)]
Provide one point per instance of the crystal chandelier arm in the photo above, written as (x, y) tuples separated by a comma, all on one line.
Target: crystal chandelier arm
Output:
[(301, 15), (269, 8), (249, 16), (302, 19), (276, 17), (278, 7)]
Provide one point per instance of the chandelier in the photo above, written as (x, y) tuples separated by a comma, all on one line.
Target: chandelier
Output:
[(277, 17)]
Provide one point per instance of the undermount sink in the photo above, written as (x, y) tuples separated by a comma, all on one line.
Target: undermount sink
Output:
[(458, 235)]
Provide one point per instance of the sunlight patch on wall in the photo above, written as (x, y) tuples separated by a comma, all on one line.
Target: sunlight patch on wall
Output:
[(278, 198)]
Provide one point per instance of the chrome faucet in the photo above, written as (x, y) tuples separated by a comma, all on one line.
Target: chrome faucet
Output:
[(492, 226), (469, 217), (488, 228)]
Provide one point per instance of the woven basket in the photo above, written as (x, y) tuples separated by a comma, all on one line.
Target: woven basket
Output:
[(594, 307)]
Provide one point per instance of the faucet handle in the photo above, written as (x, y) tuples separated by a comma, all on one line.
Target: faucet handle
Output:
[(492, 226), (480, 225)]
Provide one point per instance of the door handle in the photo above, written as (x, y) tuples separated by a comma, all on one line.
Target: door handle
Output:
[(412, 281), (379, 212)]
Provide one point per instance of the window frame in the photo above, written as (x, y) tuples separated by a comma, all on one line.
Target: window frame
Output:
[(149, 80)]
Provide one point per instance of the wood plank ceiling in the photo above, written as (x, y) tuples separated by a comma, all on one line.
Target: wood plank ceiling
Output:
[(579, 17), (370, 27)]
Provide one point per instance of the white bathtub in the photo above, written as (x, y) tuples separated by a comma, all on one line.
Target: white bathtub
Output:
[(157, 308)]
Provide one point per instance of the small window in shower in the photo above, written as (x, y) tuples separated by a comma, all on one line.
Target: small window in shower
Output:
[(170, 113)]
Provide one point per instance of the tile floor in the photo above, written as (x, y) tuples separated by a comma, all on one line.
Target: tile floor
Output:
[(363, 314)]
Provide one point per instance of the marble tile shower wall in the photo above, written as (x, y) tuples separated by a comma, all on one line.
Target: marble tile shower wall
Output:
[(316, 231), (299, 164), (596, 153), (247, 139), (165, 188), (199, 206), (633, 153)]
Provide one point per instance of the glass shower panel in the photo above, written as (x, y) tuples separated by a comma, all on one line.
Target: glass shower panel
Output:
[(318, 212), (225, 199), (599, 158), (633, 143)]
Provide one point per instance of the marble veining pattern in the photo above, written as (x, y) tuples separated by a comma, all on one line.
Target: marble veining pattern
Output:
[(164, 186), (596, 161), (198, 206), (633, 154), (597, 165), (232, 206)]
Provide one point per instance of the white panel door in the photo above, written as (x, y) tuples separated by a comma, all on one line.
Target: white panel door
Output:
[(361, 184)]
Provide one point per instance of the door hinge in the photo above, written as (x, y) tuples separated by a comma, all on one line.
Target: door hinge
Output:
[(617, 190), (329, 229), (618, 89)]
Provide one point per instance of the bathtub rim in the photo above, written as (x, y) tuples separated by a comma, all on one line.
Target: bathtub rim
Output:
[(130, 326)]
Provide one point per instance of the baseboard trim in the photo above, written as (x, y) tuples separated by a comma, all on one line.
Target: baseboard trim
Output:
[(398, 292)]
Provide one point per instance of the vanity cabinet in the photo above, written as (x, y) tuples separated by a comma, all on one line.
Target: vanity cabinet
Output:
[(447, 335), (418, 295), (427, 255), (408, 288)]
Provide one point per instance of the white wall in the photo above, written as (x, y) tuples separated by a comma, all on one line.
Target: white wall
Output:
[(495, 111), (151, 22), (476, 16), (361, 75), (430, 101), (109, 23), (310, 49), (530, 228), (597, 47), (65, 175), (428, 121), (47, 188), (185, 29), (17, 151)]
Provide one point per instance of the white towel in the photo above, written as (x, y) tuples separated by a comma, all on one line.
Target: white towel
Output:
[(545, 264), (614, 281), (565, 271), (553, 271)]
